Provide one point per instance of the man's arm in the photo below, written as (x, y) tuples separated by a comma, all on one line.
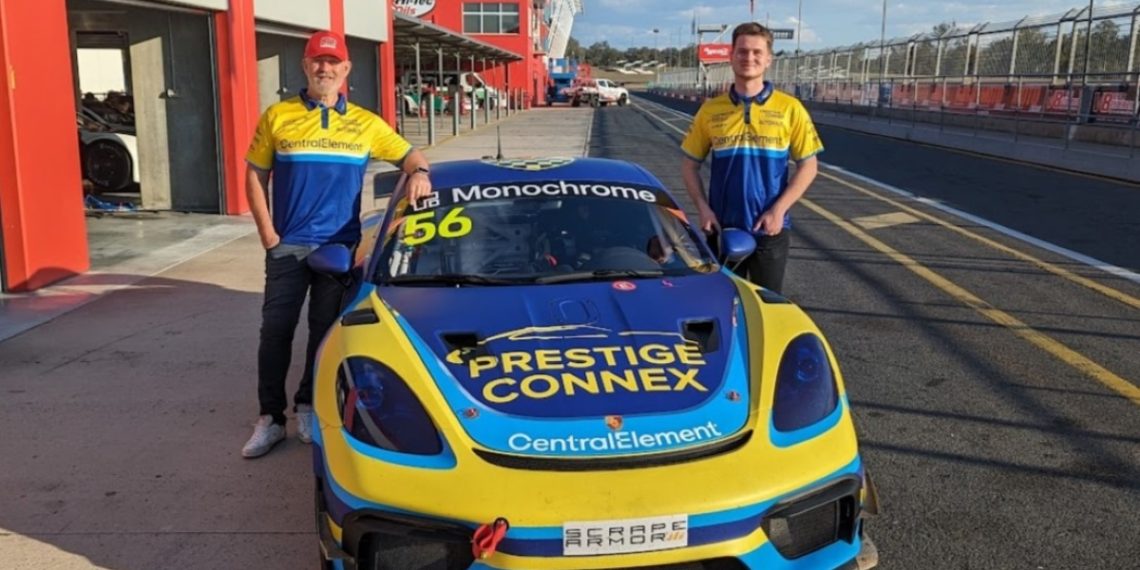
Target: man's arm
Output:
[(256, 184), (771, 222), (419, 183), (691, 174)]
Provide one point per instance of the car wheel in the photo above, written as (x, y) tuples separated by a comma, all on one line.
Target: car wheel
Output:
[(623, 101), (107, 164), (575, 103)]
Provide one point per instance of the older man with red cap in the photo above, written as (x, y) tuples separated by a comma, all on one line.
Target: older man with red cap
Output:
[(315, 147)]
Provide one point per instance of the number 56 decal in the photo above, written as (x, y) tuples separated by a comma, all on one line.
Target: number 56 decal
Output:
[(422, 228)]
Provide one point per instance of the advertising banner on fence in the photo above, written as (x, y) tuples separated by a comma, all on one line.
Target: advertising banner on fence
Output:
[(1063, 101), (1114, 105)]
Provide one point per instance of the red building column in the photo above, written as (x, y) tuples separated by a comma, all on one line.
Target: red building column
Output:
[(43, 231), (237, 88), (336, 16), (336, 24), (388, 99)]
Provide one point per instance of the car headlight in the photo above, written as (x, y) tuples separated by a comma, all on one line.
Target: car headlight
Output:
[(377, 408), (805, 387)]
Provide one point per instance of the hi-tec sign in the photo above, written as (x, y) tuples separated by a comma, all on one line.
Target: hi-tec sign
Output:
[(414, 8)]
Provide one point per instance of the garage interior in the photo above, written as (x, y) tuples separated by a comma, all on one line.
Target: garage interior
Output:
[(170, 116)]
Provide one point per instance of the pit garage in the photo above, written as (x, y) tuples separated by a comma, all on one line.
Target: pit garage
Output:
[(146, 106), (152, 122)]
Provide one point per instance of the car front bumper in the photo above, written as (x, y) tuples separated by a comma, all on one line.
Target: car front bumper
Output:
[(732, 537)]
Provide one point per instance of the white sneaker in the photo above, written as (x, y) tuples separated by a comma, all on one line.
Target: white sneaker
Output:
[(305, 423), (266, 434)]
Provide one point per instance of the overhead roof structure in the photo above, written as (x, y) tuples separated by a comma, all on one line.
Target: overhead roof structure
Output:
[(410, 30)]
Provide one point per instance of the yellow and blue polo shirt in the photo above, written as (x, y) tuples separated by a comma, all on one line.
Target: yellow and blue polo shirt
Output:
[(751, 140), (318, 156)]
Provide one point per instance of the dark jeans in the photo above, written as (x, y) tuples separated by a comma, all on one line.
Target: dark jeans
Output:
[(288, 280), (765, 267)]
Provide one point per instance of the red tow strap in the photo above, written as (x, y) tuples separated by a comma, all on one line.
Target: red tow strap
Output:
[(487, 538)]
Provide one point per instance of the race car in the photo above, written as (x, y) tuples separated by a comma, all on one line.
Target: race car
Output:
[(108, 151), (542, 365)]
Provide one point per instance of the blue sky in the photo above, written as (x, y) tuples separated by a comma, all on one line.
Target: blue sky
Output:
[(826, 23)]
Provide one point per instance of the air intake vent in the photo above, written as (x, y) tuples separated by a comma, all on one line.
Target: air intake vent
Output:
[(704, 333), (359, 317), (804, 525), (467, 343)]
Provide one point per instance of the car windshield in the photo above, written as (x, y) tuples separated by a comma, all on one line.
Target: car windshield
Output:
[(549, 232)]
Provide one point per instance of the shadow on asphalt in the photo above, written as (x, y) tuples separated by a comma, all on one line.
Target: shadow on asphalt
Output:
[(122, 424)]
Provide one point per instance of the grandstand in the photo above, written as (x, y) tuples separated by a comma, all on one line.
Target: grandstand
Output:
[(561, 17)]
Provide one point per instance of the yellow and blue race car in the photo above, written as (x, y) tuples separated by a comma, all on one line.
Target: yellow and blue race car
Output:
[(542, 365)]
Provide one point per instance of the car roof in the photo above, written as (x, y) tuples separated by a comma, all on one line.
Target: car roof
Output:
[(523, 170)]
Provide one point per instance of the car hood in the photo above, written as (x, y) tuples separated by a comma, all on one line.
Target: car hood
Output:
[(598, 368)]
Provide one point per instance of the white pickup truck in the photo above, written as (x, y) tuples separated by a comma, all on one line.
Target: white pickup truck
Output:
[(597, 92)]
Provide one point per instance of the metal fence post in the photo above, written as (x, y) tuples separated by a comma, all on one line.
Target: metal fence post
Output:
[(431, 118), (456, 102), (474, 112), (1017, 111)]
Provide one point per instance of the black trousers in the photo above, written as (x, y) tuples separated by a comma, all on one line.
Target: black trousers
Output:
[(288, 280), (765, 267)]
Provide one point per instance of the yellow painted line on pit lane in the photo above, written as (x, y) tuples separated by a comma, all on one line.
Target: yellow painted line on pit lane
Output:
[(1081, 280), (1106, 377), (1051, 268), (1067, 355)]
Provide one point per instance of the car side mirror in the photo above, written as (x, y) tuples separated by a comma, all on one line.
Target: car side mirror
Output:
[(736, 245), (384, 184), (333, 259)]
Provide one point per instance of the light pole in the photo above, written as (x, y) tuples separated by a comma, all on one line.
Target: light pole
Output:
[(655, 55), (1088, 49), (796, 59), (882, 53), (799, 23)]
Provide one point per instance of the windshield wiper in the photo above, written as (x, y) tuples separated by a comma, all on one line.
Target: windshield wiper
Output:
[(599, 275), (450, 279)]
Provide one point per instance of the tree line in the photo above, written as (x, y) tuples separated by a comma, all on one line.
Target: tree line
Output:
[(602, 54)]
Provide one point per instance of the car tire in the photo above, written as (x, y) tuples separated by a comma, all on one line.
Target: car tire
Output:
[(107, 164), (623, 101), (575, 103)]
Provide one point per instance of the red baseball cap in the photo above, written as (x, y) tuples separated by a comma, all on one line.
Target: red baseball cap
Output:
[(326, 43)]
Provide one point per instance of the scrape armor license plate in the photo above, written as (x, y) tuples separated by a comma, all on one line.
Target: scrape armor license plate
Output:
[(624, 536)]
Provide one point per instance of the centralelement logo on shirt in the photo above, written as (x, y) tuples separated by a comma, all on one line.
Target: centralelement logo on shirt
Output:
[(320, 144), (753, 138)]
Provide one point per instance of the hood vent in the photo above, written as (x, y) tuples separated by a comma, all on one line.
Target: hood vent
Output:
[(467, 343), (704, 333)]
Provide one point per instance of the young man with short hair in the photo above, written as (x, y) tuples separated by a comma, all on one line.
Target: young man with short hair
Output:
[(752, 131)]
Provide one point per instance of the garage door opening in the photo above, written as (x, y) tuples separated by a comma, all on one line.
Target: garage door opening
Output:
[(147, 115)]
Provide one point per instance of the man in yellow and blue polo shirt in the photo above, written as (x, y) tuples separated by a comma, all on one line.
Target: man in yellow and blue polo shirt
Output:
[(752, 132), (316, 147)]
